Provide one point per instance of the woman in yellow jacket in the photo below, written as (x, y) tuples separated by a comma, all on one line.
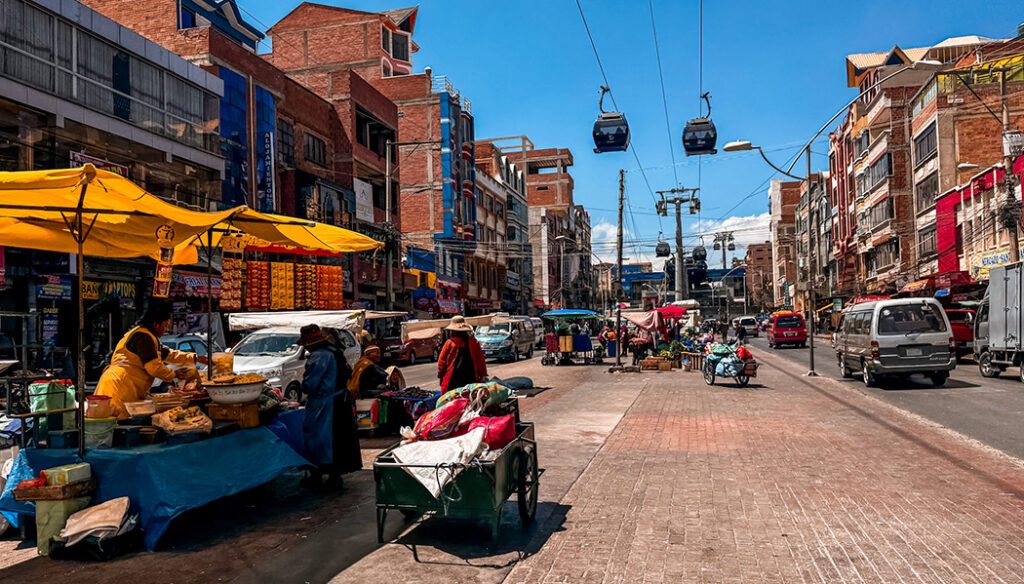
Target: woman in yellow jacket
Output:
[(139, 358)]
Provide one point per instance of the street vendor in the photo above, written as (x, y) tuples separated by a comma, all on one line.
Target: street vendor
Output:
[(369, 379), (139, 358), (320, 384), (462, 360)]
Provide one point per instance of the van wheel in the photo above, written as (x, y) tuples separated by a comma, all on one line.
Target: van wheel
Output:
[(843, 370), (939, 378), (869, 378), (985, 366)]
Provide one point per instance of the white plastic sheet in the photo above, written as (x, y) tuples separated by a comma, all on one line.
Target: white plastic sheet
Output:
[(439, 456), (339, 319)]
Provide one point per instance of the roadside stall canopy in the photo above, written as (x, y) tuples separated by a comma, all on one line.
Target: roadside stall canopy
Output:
[(52, 210), (648, 321), (352, 320), (425, 329), (689, 303), (570, 313), (671, 311)]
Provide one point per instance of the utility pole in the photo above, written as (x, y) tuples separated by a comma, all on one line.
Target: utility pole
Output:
[(689, 197), (1011, 205), (724, 241), (390, 277), (618, 275)]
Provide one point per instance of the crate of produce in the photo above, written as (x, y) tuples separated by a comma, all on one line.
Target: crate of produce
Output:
[(54, 492), (664, 365)]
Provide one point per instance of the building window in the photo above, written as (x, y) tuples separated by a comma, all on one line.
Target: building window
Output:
[(925, 145), (188, 18), (861, 143), (499, 210), (874, 175), (315, 149), (372, 133), (285, 142), (925, 192), (400, 47), (385, 39), (926, 243), (385, 70)]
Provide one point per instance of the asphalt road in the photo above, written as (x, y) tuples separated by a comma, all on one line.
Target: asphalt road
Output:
[(988, 410)]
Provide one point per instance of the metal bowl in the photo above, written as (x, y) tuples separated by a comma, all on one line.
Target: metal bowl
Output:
[(235, 394)]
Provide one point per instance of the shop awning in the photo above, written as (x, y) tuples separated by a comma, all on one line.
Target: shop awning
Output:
[(671, 311), (918, 285), (40, 210)]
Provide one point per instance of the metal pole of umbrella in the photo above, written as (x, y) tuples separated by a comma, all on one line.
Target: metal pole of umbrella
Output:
[(80, 365), (209, 299)]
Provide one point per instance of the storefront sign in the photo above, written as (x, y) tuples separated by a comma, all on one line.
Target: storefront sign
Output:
[(985, 261), (50, 327), (266, 173), (125, 291), (512, 280), (80, 159), (364, 200), (55, 288), (448, 306), (194, 284)]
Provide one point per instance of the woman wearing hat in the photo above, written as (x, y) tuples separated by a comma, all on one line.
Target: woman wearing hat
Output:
[(462, 359), (320, 384)]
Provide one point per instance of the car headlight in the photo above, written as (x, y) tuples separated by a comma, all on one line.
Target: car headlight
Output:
[(270, 373), (506, 343)]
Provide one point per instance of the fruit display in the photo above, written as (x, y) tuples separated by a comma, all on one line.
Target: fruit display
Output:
[(282, 286), (305, 287), (231, 284), (328, 288), (257, 285)]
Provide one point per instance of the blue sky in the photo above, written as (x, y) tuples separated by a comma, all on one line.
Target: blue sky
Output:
[(775, 71)]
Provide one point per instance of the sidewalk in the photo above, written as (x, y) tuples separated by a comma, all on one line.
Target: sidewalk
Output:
[(784, 481)]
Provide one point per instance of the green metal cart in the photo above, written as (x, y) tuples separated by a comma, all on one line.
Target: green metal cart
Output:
[(479, 491)]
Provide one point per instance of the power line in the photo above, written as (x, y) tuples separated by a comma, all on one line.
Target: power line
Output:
[(664, 98)]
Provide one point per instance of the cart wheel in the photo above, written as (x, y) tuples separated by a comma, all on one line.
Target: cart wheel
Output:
[(528, 485), (742, 380), (709, 373)]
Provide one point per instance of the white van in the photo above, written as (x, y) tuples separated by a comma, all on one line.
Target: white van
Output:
[(275, 354), (895, 339)]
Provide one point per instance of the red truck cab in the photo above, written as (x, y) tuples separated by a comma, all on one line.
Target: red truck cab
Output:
[(787, 328), (962, 323)]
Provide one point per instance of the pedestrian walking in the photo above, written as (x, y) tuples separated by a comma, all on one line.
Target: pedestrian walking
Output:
[(320, 384), (741, 334), (462, 360)]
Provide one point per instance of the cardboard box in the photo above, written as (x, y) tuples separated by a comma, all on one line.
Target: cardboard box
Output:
[(67, 474), (247, 415)]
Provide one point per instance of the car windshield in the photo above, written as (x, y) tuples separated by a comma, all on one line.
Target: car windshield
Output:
[(910, 318), (747, 321), (791, 321), (501, 328), (268, 344)]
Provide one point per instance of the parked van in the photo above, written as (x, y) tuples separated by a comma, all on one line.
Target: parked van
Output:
[(895, 339), (749, 324), (538, 331), (786, 328), (506, 339)]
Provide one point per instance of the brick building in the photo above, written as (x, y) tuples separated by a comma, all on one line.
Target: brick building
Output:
[(317, 44), (286, 149), (783, 198), (557, 249), (493, 164), (759, 270)]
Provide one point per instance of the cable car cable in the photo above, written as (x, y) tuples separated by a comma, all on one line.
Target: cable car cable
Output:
[(664, 98)]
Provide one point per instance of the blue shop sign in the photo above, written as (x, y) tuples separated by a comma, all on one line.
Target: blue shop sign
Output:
[(55, 288)]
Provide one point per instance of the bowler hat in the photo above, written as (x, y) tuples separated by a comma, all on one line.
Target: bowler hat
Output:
[(311, 335)]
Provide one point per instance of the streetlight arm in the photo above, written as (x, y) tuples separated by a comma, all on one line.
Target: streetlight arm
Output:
[(843, 109), (793, 176)]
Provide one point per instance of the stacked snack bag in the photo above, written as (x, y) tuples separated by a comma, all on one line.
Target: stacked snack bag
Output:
[(231, 284), (257, 285), (328, 288), (282, 286), (305, 287)]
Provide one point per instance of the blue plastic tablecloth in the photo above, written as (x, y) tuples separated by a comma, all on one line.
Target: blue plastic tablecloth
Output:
[(582, 344), (165, 481)]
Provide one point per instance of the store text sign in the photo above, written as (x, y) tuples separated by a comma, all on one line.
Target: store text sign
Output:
[(92, 290)]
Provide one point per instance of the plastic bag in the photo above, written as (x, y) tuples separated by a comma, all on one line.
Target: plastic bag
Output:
[(743, 353), (498, 431), (437, 424)]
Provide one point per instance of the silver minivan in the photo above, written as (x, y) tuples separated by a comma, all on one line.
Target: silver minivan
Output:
[(895, 339)]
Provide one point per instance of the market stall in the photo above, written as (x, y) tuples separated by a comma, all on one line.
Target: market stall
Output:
[(210, 426), (562, 345)]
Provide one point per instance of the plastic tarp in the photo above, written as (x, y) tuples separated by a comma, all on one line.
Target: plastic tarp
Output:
[(439, 455), (352, 320), (411, 326), (648, 321), (571, 313), (164, 481)]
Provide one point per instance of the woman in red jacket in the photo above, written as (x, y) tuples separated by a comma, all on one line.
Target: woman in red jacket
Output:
[(462, 359)]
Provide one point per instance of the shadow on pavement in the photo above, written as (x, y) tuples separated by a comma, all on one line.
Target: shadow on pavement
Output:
[(917, 383), (471, 540)]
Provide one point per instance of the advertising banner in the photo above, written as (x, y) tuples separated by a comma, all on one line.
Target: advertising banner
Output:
[(364, 200)]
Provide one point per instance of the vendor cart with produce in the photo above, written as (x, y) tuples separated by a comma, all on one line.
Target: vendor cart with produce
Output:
[(733, 361), (561, 345), (464, 459)]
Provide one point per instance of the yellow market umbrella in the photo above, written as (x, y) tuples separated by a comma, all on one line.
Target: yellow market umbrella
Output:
[(85, 210)]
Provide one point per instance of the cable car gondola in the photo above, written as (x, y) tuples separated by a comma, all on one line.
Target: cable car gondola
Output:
[(611, 132), (700, 135), (662, 250)]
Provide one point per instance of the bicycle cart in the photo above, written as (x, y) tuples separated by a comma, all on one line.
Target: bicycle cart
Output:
[(479, 491), (737, 368)]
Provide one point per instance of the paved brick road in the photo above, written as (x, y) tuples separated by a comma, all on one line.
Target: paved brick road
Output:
[(789, 482)]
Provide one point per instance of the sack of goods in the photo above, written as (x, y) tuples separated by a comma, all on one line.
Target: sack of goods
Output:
[(439, 423), (729, 366), (183, 421)]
